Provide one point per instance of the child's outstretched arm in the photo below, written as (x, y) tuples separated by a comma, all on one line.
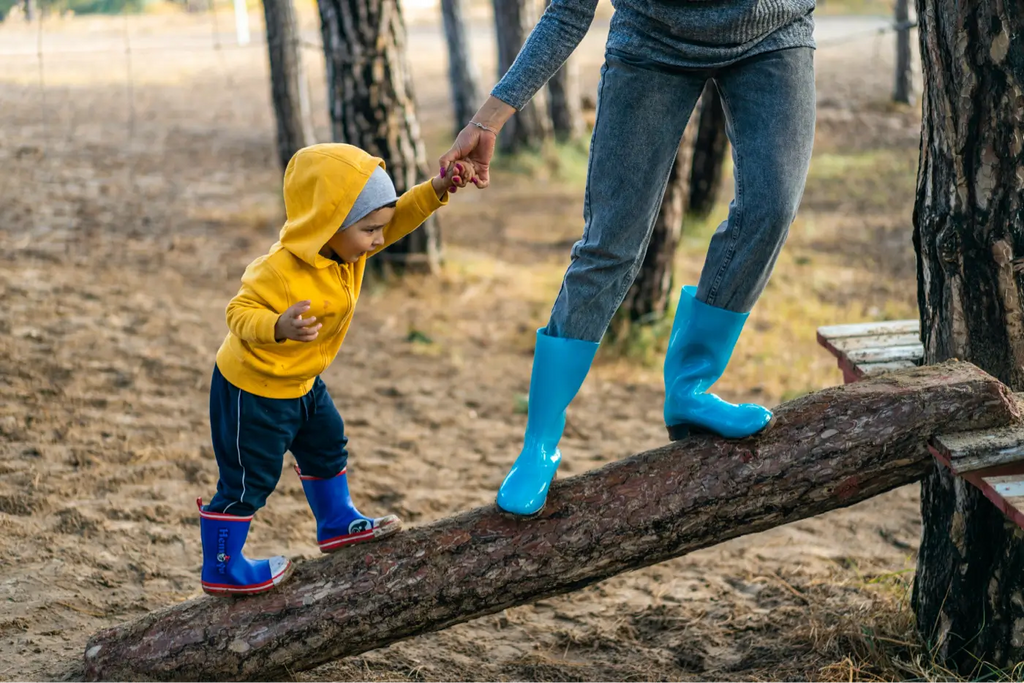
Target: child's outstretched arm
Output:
[(418, 204)]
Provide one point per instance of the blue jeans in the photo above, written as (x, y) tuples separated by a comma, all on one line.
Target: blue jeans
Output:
[(642, 111), (251, 434)]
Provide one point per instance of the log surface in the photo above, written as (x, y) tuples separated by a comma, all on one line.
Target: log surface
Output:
[(826, 450)]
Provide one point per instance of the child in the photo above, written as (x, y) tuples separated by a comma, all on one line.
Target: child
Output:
[(286, 325)]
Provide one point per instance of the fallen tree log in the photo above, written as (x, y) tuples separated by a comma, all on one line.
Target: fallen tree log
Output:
[(826, 450)]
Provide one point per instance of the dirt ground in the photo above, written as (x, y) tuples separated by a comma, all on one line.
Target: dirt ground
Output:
[(127, 215)]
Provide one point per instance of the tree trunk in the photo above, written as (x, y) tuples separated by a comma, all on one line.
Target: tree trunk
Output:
[(708, 153), (647, 299), (564, 104), (462, 71), (288, 87), (903, 89), (30, 10), (827, 450), (373, 107), (969, 238), (513, 21)]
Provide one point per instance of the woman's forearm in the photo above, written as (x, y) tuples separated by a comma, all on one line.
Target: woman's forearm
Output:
[(494, 113), (553, 39)]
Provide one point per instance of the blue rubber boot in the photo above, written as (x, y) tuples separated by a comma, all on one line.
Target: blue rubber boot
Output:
[(226, 571), (338, 523), (702, 342), (559, 368)]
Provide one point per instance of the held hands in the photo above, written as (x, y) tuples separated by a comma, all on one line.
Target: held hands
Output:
[(460, 174), (291, 324), (476, 145)]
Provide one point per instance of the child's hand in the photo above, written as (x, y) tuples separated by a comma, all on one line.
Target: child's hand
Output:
[(291, 324), (462, 173)]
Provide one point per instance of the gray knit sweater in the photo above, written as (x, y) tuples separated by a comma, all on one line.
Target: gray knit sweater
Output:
[(679, 33)]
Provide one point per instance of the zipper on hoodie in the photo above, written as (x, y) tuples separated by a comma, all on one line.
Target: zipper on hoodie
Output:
[(347, 288)]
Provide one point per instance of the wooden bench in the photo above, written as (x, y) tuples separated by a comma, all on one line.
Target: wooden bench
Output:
[(992, 461), (868, 349)]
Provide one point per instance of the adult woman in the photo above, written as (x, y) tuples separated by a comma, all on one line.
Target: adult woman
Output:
[(659, 55)]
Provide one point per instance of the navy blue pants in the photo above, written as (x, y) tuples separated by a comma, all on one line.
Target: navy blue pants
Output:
[(251, 434)]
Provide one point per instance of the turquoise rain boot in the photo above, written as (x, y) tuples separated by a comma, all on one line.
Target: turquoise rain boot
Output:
[(559, 368), (702, 342)]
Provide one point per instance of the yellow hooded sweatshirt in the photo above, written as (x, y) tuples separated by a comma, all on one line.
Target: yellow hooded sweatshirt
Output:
[(321, 184)]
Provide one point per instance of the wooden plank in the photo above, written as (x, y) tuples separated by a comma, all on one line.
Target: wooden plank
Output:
[(987, 452), (871, 349), (1011, 510), (1017, 504), (872, 329), (992, 460), (913, 352), (1007, 486), (848, 344), (874, 369), (1012, 507), (848, 369)]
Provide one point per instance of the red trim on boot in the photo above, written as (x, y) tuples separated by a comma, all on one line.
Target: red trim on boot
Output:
[(389, 525), (220, 515), (309, 478), (345, 539), (252, 589), (218, 588)]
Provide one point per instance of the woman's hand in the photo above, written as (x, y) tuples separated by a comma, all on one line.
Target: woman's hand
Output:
[(476, 142), (476, 145)]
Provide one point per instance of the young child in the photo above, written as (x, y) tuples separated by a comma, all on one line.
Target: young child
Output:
[(286, 325)]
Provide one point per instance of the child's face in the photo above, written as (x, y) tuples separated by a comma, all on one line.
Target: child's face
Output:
[(362, 237)]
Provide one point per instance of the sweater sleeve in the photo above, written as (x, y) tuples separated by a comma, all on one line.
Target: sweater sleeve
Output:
[(250, 315), (553, 39), (413, 208)]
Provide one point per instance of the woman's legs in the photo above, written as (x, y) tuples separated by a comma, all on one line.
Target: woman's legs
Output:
[(770, 112), (641, 114)]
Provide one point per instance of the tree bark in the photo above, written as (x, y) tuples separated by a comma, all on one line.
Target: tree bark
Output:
[(531, 126), (827, 450), (969, 238), (708, 153), (647, 299), (903, 88), (462, 71), (288, 86), (373, 107)]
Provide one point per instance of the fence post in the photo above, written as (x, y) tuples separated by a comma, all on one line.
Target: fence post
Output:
[(903, 87)]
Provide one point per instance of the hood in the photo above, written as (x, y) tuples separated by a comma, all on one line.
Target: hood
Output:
[(321, 184)]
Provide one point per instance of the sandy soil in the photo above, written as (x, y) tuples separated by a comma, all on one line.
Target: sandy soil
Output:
[(126, 218)]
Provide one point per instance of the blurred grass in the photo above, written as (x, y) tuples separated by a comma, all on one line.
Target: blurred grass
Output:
[(862, 7), (562, 162), (884, 645)]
